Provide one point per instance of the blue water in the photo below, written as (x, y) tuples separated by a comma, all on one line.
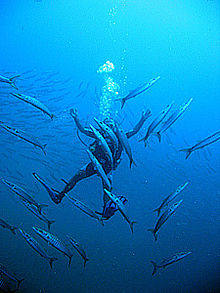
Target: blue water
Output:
[(57, 48)]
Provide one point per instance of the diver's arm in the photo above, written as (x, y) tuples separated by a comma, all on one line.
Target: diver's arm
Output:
[(85, 130), (137, 127)]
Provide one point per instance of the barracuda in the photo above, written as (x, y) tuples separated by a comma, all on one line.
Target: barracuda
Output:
[(54, 241), (34, 102)]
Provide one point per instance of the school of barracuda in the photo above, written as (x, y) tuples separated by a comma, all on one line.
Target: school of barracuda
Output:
[(27, 87)]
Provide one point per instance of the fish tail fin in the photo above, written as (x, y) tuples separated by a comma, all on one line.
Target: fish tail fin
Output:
[(70, 258), (158, 135), (122, 103), (12, 81), (187, 151), (131, 226), (41, 206), (154, 267), (13, 229), (158, 211), (153, 232), (19, 283), (43, 148), (85, 261), (132, 162), (52, 116), (52, 259), (142, 139), (50, 223), (101, 221)]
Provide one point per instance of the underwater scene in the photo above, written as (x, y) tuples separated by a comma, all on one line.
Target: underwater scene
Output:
[(110, 146)]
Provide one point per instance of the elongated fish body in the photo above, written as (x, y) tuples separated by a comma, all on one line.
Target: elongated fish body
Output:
[(10, 80), (121, 207), (103, 144), (23, 194), (80, 205), (124, 142), (79, 249), (34, 102), (54, 241), (203, 143), (168, 261), (100, 171), (33, 209), (156, 122), (142, 88), (171, 197), (173, 118), (50, 191), (37, 247), (24, 136), (7, 226), (164, 217), (5, 272), (108, 131)]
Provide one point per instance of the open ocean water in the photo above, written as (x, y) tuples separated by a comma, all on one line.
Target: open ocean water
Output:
[(86, 54)]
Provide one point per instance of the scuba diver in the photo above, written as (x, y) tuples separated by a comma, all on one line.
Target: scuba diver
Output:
[(96, 149)]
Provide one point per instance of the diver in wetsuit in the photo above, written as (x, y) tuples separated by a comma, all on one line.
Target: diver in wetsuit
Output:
[(97, 151)]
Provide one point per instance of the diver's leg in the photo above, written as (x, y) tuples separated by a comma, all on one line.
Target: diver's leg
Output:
[(83, 173)]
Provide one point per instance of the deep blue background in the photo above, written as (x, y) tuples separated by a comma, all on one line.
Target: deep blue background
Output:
[(178, 40)]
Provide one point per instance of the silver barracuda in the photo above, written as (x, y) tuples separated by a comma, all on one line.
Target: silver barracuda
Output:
[(80, 205), (154, 124), (108, 131), (172, 119), (34, 102), (142, 88), (10, 80), (124, 142), (100, 171), (33, 209), (54, 241), (169, 260), (170, 197), (23, 194), (164, 217), (103, 144), (203, 143), (12, 277), (121, 207), (5, 225), (37, 247), (24, 136), (79, 249)]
